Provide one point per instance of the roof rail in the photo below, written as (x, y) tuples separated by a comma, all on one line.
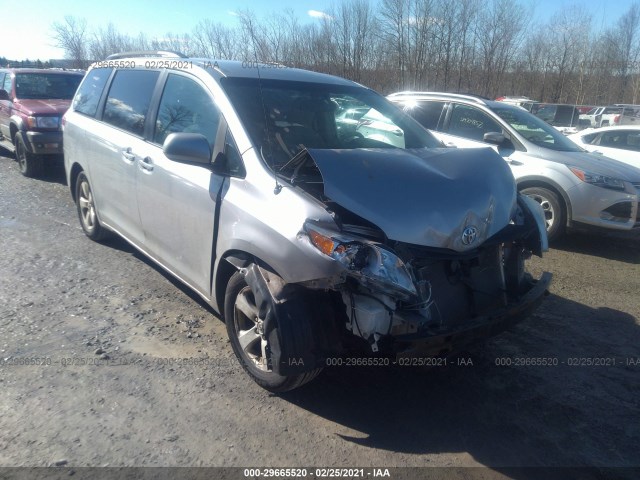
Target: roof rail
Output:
[(470, 97), (146, 53)]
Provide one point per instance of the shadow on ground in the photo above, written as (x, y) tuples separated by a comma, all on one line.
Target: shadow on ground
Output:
[(619, 246), (562, 415)]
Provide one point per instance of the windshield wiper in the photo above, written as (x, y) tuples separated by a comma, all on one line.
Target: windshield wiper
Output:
[(297, 158)]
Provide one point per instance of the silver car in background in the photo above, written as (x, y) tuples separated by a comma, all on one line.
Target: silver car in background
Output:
[(312, 241), (574, 187)]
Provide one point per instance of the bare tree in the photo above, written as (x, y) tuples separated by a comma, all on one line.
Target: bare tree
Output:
[(499, 34), (71, 36), (215, 40)]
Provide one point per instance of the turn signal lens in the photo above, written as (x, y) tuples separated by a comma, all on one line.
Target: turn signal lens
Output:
[(323, 243)]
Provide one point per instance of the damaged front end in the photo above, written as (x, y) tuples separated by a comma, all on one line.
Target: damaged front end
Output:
[(403, 299), (423, 270)]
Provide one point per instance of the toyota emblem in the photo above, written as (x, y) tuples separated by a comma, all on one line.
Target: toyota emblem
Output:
[(469, 235)]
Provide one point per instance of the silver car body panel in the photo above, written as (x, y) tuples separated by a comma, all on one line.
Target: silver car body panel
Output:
[(585, 201)]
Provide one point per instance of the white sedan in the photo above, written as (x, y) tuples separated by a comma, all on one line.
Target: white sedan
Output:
[(621, 143)]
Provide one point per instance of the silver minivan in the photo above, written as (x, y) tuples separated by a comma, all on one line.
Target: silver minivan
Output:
[(318, 245), (575, 188)]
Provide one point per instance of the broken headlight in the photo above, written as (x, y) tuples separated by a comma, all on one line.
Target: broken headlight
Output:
[(373, 265)]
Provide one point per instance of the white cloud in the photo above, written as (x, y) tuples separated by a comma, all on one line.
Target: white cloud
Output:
[(233, 14), (319, 14)]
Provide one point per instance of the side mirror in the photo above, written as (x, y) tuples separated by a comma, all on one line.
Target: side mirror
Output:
[(187, 148), (495, 138), (4, 95)]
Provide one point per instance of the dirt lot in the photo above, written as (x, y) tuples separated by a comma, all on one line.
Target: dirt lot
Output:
[(138, 371)]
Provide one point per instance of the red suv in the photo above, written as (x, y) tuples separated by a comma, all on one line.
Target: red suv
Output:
[(32, 102)]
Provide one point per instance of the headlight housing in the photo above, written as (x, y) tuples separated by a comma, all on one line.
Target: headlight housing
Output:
[(597, 179), (372, 264), (43, 122)]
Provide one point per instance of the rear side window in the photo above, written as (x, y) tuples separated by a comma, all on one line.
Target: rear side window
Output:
[(621, 139), (589, 138), (471, 123), (129, 98), (426, 113), (186, 107), (90, 91)]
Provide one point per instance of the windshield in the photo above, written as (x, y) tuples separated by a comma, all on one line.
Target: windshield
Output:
[(536, 130), (284, 117), (46, 85)]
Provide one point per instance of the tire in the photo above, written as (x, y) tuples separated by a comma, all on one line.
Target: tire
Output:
[(554, 212), (87, 213), (30, 165), (240, 314)]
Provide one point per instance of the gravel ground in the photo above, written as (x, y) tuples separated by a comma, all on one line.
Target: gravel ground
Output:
[(138, 371)]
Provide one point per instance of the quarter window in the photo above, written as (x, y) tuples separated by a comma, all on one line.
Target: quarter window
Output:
[(129, 98), (426, 113), (471, 123), (90, 91), (186, 107)]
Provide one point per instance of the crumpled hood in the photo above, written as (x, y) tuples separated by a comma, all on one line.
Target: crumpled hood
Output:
[(422, 196), (43, 107)]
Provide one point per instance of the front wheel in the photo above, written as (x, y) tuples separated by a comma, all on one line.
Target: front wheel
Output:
[(87, 210), (249, 343), (554, 213), (30, 165)]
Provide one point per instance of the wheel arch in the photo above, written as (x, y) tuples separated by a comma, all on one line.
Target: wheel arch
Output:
[(73, 179), (228, 264), (542, 182), (303, 315)]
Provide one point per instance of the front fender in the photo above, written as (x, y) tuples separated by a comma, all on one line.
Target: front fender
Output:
[(533, 214)]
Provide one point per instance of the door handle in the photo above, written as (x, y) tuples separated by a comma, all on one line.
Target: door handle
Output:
[(146, 163), (514, 162), (128, 154)]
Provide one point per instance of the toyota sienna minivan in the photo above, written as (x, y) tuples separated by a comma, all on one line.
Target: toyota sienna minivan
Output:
[(314, 243)]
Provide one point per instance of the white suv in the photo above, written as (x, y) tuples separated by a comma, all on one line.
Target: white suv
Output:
[(574, 188)]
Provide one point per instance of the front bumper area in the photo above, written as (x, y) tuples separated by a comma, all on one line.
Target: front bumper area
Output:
[(609, 209), (442, 342), (44, 143)]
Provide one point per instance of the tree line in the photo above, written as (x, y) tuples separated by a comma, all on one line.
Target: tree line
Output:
[(489, 48)]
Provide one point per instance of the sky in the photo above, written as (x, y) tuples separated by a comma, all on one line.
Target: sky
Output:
[(31, 38)]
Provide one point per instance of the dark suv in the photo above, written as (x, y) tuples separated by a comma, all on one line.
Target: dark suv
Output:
[(32, 102)]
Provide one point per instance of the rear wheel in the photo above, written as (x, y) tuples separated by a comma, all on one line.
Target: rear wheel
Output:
[(250, 344), (87, 210), (554, 213), (30, 165)]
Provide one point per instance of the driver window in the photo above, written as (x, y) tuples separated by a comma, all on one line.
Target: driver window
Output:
[(471, 123), (186, 107)]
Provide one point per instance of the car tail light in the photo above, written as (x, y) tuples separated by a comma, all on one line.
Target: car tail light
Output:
[(616, 119)]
